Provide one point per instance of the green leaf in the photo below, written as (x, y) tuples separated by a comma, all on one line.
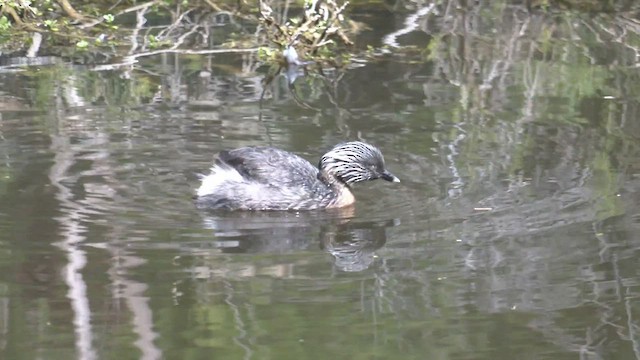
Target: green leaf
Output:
[(108, 18), (4, 23)]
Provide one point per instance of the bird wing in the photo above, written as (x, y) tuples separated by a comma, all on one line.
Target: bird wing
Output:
[(269, 166)]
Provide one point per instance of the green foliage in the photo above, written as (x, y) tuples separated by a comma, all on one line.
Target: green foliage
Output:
[(82, 44), (51, 24), (313, 35), (22, 18), (266, 54), (4, 23), (108, 18), (155, 43)]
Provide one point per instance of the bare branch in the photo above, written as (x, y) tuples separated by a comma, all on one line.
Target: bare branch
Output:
[(132, 59), (166, 31), (66, 6), (36, 41), (213, 5), (140, 21), (127, 10), (14, 15), (181, 39)]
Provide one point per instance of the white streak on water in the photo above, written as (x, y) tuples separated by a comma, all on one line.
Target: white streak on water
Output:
[(410, 24)]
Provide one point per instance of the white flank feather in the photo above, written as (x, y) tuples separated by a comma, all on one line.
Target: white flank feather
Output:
[(217, 176)]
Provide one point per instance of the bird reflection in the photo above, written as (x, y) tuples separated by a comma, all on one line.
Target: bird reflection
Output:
[(352, 244)]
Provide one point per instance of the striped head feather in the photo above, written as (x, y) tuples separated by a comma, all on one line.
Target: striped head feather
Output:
[(354, 162)]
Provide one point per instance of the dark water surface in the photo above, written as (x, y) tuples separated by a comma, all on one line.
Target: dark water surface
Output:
[(513, 234)]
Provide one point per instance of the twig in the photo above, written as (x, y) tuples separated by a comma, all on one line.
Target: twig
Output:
[(127, 10), (36, 41), (66, 6), (14, 15), (140, 21), (194, 52), (213, 6), (137, 7), (132, 59), (184, 36), (265, 15), (235, 13), (170, 28), (205, 36), (109, 67), (325, 32)]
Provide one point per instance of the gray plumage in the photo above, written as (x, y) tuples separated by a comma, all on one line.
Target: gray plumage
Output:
[(265, 178)]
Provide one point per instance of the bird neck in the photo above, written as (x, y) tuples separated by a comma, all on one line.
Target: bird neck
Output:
[(339, 192), (330, 179)]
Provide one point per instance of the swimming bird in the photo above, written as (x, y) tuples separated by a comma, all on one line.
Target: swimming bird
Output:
[(267, 178)]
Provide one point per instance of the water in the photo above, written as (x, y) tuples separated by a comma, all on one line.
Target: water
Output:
[(513, 233)]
